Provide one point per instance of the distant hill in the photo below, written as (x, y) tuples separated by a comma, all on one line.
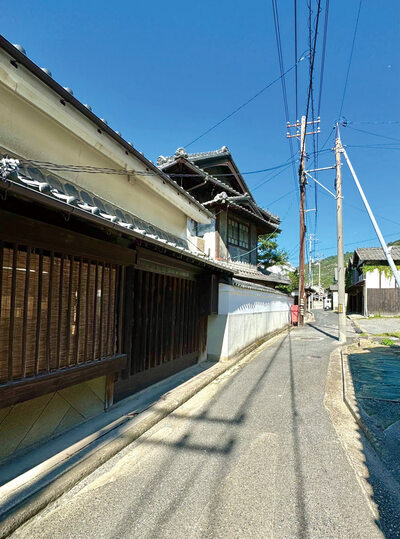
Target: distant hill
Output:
[(328, 269), (397, 242)]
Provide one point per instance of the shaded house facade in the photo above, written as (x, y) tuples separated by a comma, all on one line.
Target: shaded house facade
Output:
[(214, 179), (100, 286), (370, 283)]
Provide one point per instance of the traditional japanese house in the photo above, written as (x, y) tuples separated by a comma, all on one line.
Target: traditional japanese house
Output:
[(214, 179), (99, 282), (249, 306), (370, 284)]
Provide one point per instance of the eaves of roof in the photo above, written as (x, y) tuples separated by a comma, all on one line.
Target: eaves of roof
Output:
[(376, 254), (202, 173), (69, 98), (167, 162), (222, 153), (246, 211), (57, 195)]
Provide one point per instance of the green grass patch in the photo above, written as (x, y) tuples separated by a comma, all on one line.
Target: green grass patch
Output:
[(389, 334), (387, 342)]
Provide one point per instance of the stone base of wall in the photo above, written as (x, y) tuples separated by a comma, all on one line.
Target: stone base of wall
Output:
[(30, 422)]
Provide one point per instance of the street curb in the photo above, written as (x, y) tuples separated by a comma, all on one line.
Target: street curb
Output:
[(19, 507)]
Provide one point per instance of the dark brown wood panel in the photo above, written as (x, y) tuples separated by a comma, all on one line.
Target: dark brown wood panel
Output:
[(383, 301), (166, 327)]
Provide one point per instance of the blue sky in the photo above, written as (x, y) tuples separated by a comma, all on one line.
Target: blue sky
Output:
[(162, 73)]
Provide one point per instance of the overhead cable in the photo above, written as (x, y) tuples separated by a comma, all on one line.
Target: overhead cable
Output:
[(284, 93), (350, 59), (235, 111)]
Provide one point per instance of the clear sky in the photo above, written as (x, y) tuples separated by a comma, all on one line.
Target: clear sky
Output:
[(164, 72)]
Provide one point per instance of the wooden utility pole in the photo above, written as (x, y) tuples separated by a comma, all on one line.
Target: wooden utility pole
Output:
[(340, 252), (303, 182)]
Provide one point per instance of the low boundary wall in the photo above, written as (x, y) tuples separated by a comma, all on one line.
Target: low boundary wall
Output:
[(247, 314)]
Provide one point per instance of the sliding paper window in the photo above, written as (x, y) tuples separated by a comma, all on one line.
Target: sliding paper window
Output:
[(57, 311)]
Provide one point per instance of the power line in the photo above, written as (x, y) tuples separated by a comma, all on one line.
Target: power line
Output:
[(376, 122), (362, 210), (321, 80), (295, 57), (312, 66), (235, 111), (101, 170), (280, 60), (267, 180), (357, 242), (372, 133), (351, 56), (372, 146)]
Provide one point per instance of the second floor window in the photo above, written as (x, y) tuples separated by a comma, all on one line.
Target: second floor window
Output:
[(238, 233)]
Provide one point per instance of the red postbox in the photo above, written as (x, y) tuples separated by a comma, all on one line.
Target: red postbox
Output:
[(294, 309)]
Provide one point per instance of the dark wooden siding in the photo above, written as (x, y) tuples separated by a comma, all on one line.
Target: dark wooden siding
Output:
[(383, 301), (59, 308), (166, 331)]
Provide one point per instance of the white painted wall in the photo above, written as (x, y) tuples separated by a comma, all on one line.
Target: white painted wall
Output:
[(245, 317), (372, 280)]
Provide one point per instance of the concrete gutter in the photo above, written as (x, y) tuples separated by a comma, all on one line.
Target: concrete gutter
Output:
[(26, 495)]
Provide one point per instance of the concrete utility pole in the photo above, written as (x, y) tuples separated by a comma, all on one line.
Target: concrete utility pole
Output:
[(340, 252), (302, 180)]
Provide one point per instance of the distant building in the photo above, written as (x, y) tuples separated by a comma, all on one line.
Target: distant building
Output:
[(371, 286)]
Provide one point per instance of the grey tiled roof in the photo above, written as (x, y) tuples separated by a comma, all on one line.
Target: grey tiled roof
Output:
[(164, 162), (181, 152), (249, 271), (254, 286), (224, 151), (377, 254), (49, 185)]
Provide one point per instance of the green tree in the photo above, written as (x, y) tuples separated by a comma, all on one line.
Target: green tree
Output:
[(269, 253), (294, 282)]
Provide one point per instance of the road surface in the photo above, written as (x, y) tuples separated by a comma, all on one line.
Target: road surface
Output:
[(252, 455)]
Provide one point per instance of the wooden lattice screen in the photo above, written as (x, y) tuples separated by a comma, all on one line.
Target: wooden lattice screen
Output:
[(57, 311), (165, 320)]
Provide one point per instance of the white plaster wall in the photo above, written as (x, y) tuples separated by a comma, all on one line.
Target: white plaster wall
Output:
[(372, 280), (35, 125), (245, 317)]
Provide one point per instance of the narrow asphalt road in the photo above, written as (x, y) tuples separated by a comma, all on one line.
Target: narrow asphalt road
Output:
[(252, 455)]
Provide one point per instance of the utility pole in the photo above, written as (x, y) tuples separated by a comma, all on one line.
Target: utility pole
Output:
[(340, 252), (303, 182)]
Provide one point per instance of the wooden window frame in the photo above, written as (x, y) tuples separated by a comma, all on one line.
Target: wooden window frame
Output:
[(238, 224)]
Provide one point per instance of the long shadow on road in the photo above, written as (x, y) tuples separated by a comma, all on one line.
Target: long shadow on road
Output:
[(223, 454)]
